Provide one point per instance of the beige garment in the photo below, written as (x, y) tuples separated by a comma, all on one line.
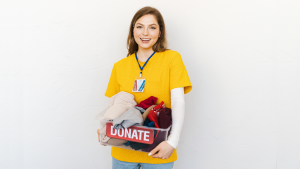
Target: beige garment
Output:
[(147, 112), (116, 142), (118, 105), (102, 125)]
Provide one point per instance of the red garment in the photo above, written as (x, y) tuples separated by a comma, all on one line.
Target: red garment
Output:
[(152, 116), (148, 102)]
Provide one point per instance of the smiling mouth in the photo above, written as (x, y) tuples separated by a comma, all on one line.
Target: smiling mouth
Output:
[(145, 39)]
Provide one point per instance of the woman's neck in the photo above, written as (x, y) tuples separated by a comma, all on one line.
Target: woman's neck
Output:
[(143, 55)]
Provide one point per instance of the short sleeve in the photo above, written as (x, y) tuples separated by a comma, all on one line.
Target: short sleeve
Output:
[(178, 74), (113, 85)]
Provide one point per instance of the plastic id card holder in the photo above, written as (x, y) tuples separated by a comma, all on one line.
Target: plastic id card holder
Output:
[(139, 84)]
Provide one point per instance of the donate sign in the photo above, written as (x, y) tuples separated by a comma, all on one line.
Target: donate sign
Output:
[(133, 133)]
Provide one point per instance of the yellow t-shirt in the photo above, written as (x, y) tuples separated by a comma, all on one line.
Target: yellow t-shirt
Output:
[(164, 72)]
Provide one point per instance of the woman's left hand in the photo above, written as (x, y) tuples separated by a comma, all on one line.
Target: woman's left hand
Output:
[(164, 150)]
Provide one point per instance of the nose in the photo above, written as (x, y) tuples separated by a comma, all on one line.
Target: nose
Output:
[(145, 32)]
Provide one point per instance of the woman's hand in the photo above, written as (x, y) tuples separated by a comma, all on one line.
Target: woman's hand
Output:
[(98, 131), (164, 150)]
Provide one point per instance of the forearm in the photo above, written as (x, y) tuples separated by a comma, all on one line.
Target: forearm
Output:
[(178, 108)]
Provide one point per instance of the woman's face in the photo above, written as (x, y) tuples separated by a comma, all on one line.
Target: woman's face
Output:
[(146, 31)]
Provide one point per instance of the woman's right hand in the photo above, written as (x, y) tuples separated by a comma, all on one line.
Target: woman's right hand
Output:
[(98, 131)]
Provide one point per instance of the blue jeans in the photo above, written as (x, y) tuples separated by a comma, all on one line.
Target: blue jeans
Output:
[(116, 164)]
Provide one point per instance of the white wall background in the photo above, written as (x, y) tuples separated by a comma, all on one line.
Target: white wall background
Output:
[(243, 59)]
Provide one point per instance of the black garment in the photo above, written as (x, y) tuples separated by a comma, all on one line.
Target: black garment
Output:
[(138, 146)]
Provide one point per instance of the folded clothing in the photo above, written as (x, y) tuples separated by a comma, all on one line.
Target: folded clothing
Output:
[(140, 109), (148, 102), (116, 142), (129, 118), (152, 116), (138, 146), (145, 114), (118, 105), (165, 118)]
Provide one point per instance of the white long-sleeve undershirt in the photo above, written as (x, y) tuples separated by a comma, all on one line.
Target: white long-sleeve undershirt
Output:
[(177, 106)]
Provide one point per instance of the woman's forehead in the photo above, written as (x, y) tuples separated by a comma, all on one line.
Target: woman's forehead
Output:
[(147, 20)]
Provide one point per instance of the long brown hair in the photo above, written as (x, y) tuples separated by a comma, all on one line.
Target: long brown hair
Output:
[(161, 44)]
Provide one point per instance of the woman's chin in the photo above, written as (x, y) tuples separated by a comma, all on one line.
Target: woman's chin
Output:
[(145, 46)]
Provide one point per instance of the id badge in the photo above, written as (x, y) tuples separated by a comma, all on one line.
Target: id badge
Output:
[(139, 84)]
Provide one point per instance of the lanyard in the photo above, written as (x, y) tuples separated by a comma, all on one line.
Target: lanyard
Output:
[(144, 64)]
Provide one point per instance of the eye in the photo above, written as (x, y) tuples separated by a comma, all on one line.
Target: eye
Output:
[(153, 28), (139, 27)]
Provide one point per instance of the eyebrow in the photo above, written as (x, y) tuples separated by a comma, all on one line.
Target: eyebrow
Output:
[(150, 24)]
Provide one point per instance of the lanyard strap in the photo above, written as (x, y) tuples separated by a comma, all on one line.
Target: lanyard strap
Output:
[(144, 64)]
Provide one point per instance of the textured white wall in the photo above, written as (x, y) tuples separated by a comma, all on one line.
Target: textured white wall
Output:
[(243, 59)]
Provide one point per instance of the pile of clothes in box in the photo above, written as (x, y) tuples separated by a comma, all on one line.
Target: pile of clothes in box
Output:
[(124, 112)]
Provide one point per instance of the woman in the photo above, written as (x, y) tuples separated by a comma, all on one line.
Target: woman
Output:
[(165, 78)]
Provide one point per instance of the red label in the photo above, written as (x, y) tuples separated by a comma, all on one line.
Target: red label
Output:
[(133, 133)]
